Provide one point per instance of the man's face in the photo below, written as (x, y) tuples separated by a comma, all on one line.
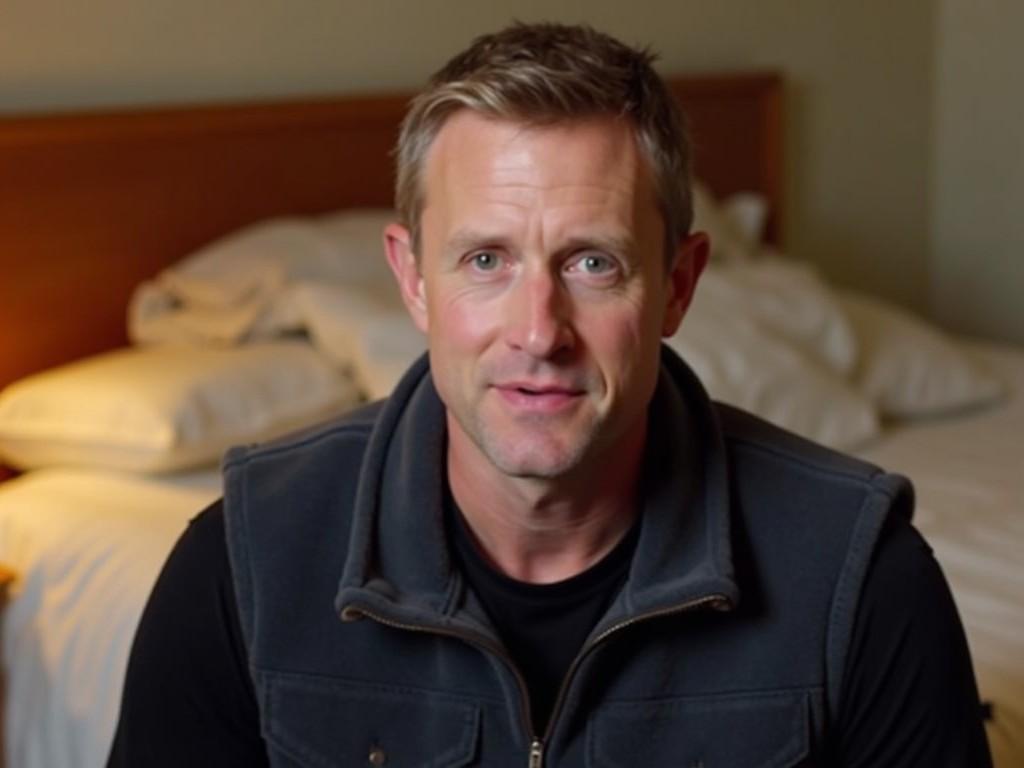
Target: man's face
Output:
[(542, 285)]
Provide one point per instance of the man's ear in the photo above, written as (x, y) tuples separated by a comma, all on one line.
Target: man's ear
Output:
[(690, 258), (398, 247)]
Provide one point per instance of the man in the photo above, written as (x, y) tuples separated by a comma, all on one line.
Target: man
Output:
[(552, 548)]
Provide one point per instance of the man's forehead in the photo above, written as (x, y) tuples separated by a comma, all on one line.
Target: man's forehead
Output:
[(591, 156)]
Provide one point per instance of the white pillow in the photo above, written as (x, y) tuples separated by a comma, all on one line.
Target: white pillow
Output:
[(729, 244), (747, 213), (909, 368), (741, 364), (236, 288), (371, 332), (788, 300), (166, 407)]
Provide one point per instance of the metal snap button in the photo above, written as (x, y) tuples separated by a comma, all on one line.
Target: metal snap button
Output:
[(377, 756)]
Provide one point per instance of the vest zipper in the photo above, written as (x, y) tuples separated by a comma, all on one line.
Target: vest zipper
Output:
[(536, 754)]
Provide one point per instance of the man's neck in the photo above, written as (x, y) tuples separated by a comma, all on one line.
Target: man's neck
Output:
[(542, 530)]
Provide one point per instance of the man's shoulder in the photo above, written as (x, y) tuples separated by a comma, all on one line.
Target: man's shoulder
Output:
[(293, 500), (293, 472), (760, 451)]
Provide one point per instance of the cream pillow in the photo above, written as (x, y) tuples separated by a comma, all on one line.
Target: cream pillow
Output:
[(371, 333), (747, 213), (909, 368), (788, 300), (741, 363), (235, 288), (729, 243), (166, 407)]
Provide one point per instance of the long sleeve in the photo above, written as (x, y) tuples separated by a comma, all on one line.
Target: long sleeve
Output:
[(188, 698), (910, 698)]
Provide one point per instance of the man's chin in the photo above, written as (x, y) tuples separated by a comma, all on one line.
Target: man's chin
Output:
[(531, 460)]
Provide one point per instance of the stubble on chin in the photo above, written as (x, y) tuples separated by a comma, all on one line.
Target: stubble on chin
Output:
[(536, 446)]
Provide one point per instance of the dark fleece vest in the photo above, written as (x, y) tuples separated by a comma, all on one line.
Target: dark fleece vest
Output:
[(725, 647)]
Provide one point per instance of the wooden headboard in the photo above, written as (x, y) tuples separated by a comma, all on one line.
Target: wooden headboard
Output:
[(91, 204)]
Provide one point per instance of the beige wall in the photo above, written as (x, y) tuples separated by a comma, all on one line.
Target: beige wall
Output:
[(860, 75), (978, 215)]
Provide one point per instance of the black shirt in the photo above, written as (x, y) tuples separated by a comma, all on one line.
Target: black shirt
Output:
[(909, 697), (543, 626)]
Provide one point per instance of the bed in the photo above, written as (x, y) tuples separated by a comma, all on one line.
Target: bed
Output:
[(218, 232)]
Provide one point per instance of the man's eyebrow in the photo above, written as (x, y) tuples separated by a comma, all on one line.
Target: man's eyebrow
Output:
[(618, 244), (465, 239)]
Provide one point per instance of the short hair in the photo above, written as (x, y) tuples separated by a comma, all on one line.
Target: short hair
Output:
[(541, 74)]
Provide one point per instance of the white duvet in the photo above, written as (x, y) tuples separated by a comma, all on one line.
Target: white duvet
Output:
[(968, 472), (88, 547)]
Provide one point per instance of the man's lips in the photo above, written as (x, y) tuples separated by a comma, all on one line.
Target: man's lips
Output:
[(537, 396)]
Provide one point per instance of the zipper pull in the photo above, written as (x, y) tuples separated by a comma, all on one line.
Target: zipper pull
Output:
[(536, 754)]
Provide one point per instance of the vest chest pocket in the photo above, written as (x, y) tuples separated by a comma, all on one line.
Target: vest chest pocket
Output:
[(763, 730), (323, 723)]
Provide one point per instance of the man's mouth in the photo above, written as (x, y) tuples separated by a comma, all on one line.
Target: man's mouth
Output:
[(539, 397), (541, 388)]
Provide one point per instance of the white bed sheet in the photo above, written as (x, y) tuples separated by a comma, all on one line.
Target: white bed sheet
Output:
[(968, 472), (88, 547)]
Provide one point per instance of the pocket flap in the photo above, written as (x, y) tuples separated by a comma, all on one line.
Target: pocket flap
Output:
[(327, 723), (761, 730)]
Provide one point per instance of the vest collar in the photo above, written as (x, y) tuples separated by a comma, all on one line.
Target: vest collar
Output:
[(399, 563)]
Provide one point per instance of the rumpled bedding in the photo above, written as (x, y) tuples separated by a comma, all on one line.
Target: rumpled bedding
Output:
[(87, 546)]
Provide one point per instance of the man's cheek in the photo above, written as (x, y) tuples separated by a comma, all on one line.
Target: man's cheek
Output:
[(466, 324)]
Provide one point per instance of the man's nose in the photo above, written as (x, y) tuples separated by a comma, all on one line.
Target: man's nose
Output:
[(539, 320)]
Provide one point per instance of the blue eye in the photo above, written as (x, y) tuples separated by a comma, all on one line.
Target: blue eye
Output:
[(595, 264), (485, 261)]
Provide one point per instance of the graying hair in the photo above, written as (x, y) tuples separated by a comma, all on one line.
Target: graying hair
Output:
[(540, 74)]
